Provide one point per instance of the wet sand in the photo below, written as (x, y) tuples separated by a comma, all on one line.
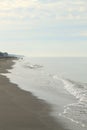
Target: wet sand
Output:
[(20, 110)]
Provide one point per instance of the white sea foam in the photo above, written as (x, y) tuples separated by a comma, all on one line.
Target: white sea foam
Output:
[(76, 112)]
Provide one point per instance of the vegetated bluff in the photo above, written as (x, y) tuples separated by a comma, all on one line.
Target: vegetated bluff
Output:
[(4, 54)]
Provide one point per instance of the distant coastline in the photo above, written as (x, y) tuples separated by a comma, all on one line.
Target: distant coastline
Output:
[(6, 55)]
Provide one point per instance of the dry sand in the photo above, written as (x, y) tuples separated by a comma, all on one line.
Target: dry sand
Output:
[(20, 110)]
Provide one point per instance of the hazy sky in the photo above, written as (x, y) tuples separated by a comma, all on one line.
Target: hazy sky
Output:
[(44, 27)]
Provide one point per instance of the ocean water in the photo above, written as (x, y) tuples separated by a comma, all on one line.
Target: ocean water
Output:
[(61, 82)]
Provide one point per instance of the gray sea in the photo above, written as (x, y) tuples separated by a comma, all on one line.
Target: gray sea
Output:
[(61, 82)]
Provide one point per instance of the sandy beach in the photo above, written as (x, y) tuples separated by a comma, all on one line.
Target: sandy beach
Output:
[(20, 110)]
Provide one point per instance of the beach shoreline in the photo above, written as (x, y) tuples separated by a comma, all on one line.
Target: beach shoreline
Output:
[(21, 110)]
